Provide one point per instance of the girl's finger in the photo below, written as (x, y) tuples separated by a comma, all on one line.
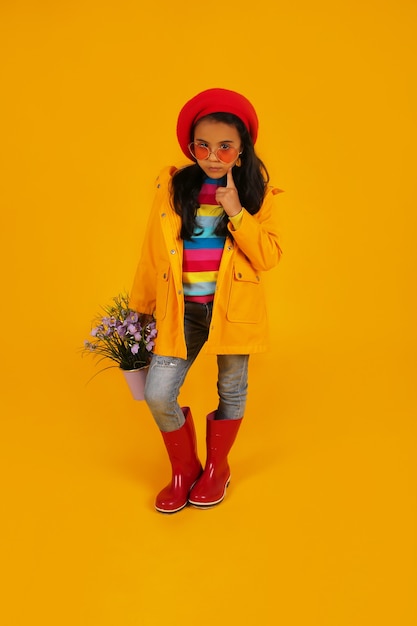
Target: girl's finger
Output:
[(230, 182)]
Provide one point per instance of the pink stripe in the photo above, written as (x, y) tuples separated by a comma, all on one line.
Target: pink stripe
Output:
[(207, 194), (203, 265), (203, 253), (205, 198), (208, 188)]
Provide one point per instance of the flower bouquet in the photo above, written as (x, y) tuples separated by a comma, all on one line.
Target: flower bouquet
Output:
[(125, 337)]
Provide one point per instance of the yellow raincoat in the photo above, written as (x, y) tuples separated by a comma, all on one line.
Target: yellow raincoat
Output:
[(239, 320)]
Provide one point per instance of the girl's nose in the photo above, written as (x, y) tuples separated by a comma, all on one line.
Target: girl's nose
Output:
[(212, 154)]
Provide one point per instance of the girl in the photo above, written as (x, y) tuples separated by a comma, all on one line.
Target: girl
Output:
[(210, 235)]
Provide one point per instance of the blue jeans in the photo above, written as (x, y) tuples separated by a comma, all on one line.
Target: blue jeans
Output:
[(167, 374)]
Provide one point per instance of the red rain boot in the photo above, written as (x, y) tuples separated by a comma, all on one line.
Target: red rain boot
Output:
[(186, 468), (210, 489)]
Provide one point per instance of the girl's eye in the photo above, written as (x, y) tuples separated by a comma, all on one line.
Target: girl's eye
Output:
[(201, 145), (225, 146)]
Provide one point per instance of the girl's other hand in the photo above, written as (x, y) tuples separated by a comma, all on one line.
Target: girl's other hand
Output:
[(145, 318)]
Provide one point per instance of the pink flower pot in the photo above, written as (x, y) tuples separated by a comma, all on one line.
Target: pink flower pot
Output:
[(136, 380)]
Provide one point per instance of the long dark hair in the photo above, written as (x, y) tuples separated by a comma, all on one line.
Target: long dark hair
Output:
[(250, 179)]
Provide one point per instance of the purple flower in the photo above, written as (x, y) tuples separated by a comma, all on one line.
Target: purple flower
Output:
[(120, 336), (132, 318), (121, 330)]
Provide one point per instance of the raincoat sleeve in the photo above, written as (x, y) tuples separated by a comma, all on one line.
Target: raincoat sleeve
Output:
[(257, 235), (143, 292)]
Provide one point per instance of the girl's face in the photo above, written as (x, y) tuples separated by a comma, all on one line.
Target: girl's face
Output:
[(216, 147)]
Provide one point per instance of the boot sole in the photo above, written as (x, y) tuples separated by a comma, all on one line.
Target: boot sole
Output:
[(169, 511), (209, 505)]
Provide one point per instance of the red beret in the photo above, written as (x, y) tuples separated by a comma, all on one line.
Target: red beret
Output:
[(214, 101)]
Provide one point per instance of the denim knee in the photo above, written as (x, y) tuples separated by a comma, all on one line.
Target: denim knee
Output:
[(232, 385), (161, 392), (156, 398), (166, 412)]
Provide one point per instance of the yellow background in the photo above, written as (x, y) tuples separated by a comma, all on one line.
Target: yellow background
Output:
[(319, 524)]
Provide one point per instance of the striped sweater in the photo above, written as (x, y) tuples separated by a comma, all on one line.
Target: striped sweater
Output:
[(203, 253)]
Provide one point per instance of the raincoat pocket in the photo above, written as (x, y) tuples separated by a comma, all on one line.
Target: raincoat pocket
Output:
[(246, 298)]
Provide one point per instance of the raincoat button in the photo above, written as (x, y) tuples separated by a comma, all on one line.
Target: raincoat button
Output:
[(158, 185), (179, 292), (172, 251), (239, 275), (163, 214)]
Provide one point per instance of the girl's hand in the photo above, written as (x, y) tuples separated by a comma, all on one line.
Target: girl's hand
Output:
[(145, 318), (228, 196)]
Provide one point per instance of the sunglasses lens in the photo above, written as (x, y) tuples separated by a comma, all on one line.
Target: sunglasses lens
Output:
[(227, 155), (200, 152)]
